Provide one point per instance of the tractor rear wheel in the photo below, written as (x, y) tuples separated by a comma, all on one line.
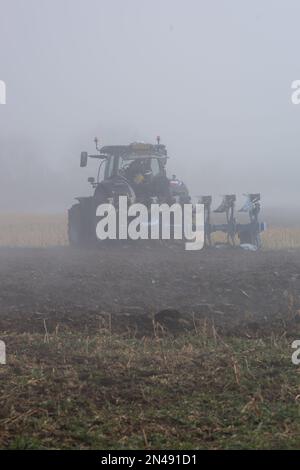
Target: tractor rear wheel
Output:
[(75, 226)]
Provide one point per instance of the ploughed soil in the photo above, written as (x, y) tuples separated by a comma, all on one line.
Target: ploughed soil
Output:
[(149, 347), (132, 287)]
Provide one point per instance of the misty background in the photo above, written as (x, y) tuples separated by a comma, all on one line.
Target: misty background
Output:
[(211, 77)]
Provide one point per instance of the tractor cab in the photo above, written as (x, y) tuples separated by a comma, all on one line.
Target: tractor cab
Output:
[(140, 166), (138, 162)]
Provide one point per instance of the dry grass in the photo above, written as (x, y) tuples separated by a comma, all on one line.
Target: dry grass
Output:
[(35, 230), (41, 230), (281, 237)]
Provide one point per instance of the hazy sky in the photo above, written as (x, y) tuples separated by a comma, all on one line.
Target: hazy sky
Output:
[(213, 78)]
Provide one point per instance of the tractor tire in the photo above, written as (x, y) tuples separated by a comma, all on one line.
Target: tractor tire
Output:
[(75, 226)]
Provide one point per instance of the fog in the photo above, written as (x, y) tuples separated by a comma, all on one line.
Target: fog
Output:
[(212, 78)]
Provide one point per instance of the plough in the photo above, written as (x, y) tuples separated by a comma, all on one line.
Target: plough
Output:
[(248, 233)]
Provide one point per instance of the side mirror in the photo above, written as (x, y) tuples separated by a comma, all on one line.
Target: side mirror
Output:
[(91, 180), (83, 159)]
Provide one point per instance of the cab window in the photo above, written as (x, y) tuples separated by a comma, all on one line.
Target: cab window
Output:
[(155, 168)]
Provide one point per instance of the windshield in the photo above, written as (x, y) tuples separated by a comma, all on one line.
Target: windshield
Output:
[(130, 167)]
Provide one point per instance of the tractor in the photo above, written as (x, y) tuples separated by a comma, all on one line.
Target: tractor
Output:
[(136, 171)]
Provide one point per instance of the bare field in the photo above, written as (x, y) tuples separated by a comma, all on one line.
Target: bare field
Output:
[(136, 348), (45, 230), (149, 349)]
